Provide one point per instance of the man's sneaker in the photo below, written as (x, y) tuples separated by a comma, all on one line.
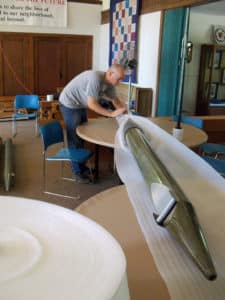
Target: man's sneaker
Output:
[(85, 170), (81, 178), (89, 172)]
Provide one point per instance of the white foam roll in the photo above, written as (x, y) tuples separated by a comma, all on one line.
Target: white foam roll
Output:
[(51, 253)]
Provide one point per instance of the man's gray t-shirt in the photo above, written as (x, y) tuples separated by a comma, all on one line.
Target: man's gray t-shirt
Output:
[(88, 83)]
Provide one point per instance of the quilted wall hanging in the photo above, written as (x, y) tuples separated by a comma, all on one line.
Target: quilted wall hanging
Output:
[(123, 33)]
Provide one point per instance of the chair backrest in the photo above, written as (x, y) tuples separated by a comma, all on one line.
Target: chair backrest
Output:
[(27, 101), (51, 133), (217, 164), (196, 122)]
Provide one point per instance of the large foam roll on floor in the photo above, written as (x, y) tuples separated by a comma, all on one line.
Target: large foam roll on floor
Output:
[(48, 252)]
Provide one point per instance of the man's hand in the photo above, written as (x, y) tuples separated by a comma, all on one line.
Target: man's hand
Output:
[(118, 111), (94, 105)]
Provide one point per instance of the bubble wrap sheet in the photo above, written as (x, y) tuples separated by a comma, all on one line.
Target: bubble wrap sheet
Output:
[(205, 189)]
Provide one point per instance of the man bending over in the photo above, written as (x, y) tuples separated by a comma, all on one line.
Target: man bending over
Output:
[(85, 91)]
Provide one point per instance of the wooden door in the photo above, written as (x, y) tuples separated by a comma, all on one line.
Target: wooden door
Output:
[(48, 64), (39, 63), (16, 76), (58, 59), (77, 54)]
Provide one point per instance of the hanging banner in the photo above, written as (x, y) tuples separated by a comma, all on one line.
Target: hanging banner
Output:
[(124, 15), (49, 13)]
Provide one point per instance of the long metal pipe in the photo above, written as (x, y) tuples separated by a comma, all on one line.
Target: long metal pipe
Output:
[(178, 216)]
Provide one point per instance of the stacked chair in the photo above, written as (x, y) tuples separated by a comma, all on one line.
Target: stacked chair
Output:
[(213, 154), (52, 133), (216, 163), (7, 160), (196, 122), (25, 107), (213, 150), (9, 174)]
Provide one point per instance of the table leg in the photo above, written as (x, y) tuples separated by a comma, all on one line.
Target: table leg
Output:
[(96, 161)]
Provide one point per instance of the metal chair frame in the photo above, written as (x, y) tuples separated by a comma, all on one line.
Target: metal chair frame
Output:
[(52, 133), (25, 102), (214, 150), (217, 164)]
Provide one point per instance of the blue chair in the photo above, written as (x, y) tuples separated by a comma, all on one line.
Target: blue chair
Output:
[(196, 122), (217, 164), (208, 149), (22, 103), (52, 133), (213, 149)]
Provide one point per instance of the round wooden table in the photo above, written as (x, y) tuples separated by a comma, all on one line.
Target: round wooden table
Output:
[(113, 210), (101, 132)]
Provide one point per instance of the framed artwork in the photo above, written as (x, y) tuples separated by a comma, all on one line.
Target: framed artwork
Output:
[(213, 91), (219, 34), (223, 76)]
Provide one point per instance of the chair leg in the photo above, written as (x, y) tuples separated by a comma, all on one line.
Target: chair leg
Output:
[(37, 133), (62, 174), (62, 165), (14, 128), (46, 191), (62, 195), (92, 177), (44, 174)]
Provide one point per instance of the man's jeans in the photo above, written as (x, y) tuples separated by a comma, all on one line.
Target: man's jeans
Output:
[(73, 118)]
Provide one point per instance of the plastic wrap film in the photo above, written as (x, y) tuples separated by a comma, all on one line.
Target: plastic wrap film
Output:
[(205, 190)]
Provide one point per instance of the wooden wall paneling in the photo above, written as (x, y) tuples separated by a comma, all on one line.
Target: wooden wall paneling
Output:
[(143, 97), (154, 5), (87, 1), (77, 56), (30, 64), (16, 64), (214, 127), (216, 111), (42, 62), (148, 6), (48, 64), (105, 17), (1, 67), (144, 101)]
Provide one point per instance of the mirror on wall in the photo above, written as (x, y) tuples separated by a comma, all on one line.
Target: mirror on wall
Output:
[(201, 22)]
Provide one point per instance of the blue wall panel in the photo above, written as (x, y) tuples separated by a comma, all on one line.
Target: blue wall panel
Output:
[(170, 61)]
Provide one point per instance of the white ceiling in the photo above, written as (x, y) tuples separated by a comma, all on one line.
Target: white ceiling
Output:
[(216, 8)]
